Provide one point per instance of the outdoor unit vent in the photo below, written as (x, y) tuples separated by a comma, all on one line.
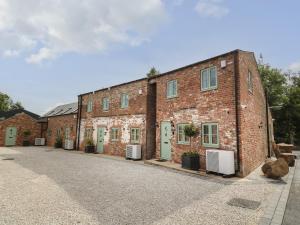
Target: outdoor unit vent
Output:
[(220, 161), (69, 145), (39, 141), (133, 152)]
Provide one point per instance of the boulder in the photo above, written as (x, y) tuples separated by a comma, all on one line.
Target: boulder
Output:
[(275, 169), (289, 158)]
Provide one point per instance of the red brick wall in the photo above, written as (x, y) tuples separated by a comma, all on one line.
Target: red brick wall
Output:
[(194, 105), (22, 122), (61, 122), (253, 124), (132, 117)]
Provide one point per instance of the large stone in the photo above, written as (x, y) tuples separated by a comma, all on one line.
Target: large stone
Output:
[(275, 169), (289, 158)]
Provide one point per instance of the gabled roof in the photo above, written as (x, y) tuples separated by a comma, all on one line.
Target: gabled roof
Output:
[(7, 114), (63, 110)]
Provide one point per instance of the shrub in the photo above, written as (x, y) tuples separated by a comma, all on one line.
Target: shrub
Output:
[(190, 130), (190, 154), (58, 142), (26, 133), (89, 142)]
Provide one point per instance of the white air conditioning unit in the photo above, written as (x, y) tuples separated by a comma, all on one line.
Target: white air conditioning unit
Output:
[(39, 141), (69, 144), (133, 152), (220, 161)]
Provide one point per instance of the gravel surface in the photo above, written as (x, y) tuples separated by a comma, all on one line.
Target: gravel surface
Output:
[(58, 187)]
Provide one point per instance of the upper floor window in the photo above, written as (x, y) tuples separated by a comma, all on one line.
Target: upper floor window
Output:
[(124, 101), (90, 105), (114, 134), (210, 135), (105, 104), (250, 81), (172, 89), (135, 135), (181, 137), (209, 78)]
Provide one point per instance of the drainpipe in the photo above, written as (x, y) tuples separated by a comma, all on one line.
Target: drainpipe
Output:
[(268, 129), (237, 108), (78, 121)]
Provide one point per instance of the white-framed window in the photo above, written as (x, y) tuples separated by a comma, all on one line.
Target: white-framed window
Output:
[(135, 135), (105, 104), (250, 81), (172, 89), (114, 134), (124, 100), (210, 135), (209, 79), (181, 137)]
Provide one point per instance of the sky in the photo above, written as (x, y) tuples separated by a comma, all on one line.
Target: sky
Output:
[(53, 50)]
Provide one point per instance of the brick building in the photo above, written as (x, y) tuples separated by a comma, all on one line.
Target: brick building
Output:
[(222, 96), (61, 122), (114, 117), (14, 123)]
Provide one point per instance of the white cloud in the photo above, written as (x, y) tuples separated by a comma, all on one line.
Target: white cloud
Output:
[(45, 29), (211, 8), (294, 67)]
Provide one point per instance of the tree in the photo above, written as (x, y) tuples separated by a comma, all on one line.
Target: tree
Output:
[(6, 103), (153, 72), (283, 91), (274, 82)]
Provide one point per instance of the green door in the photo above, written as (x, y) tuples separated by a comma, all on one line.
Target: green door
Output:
[(165, 138), (100, 139), (10, 137)]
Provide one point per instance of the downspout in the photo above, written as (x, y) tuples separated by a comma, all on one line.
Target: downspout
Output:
[(268, 129), (79, 121), (237, 108)]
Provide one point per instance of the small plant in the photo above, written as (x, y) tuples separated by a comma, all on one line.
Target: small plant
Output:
[(190, 154), (58, 142), (89, 142), (191, 131), (26, 135), (89, 145)]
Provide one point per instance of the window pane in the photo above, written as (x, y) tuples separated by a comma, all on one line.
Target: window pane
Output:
[(205, 130), (206, 139), (174, 88), (204, 79), (214, 129), (213, 77), (214, 139)]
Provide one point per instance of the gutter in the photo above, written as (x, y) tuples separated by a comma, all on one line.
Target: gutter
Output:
[(78, 125), (237, 108), (268, 129)]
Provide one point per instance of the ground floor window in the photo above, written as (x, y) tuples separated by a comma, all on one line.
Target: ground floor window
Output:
[(114, 134), (210, 135), (88, 134), (135, 135), (181, 137), (67, 133)]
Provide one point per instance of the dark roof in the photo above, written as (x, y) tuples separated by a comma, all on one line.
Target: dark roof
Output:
[(63, 110), (168, 72), (5, 115)]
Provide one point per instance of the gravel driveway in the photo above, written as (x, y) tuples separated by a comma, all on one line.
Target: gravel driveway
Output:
[(43, 186)]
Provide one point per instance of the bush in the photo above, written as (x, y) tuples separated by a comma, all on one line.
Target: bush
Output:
[(190, 130), (192, 154), (58, 142), (26, 133), (89, 142)]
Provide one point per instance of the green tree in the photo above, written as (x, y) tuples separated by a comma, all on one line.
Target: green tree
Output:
[(6, 103), (274, 82), (153, 72)]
